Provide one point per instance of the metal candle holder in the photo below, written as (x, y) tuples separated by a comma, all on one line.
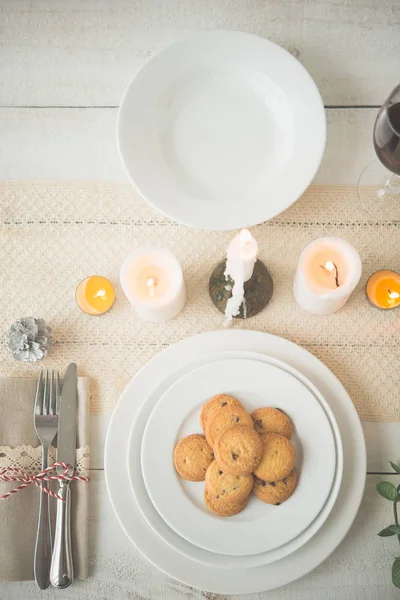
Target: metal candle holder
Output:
[(257, 290)]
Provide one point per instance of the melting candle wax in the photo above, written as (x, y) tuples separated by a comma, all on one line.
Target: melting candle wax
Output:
[(326, 269), (152, 281)]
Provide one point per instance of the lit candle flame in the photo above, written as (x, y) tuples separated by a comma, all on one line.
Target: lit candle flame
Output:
[(393, 295), (244, 237), (151, 284), (329, 266)]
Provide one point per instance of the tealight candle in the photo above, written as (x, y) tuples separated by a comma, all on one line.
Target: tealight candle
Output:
[(152, 280), (383, 289), (328, 271), (95, 295)]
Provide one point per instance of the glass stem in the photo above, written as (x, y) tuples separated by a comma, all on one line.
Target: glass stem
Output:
[(392, 186)]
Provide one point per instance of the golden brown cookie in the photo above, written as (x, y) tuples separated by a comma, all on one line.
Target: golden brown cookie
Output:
[(238, 450), (192, 457), (275, 492), (278, 458), (221, 508), (222, 418), (272, 420), (227, 488), (219, 401)]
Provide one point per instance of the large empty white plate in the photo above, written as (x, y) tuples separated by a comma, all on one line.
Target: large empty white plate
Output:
[(222, 130), (260, 527)]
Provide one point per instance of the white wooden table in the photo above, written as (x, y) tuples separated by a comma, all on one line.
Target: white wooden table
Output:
[(63, 68)]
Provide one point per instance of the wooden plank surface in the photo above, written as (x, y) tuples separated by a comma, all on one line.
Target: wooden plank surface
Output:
[(85, 53), (358, 570)]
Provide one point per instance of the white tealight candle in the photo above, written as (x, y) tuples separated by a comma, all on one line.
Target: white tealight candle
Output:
[(329, 269), (241, 258), (152, 280)]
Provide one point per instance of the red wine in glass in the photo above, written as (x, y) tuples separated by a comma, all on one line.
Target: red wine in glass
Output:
[(387, 137), (379, 183)]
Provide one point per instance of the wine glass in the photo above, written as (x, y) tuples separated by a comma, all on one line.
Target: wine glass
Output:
[(379, 183)]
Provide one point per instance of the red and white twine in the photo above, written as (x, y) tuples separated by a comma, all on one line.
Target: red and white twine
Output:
[(14, 474)]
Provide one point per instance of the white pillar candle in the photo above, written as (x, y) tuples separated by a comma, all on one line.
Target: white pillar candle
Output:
[(241, 257), (152, 280), (328, 271)]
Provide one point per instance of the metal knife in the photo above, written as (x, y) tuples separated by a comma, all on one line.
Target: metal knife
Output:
[(61, 570)]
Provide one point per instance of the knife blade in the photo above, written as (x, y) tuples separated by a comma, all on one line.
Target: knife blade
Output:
[(62, 569), (66, 438)]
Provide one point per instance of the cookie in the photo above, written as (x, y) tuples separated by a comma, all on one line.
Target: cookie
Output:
[(222, 418), (221, 508), (192, 457), (278, 458), (219, 401), (230, 489), (272, 420), (238, 450), (275, 492)]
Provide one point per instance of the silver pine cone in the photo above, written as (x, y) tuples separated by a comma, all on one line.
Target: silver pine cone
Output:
[(29, 339)]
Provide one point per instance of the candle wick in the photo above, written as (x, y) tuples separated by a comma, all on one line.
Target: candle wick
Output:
[(336, 273)]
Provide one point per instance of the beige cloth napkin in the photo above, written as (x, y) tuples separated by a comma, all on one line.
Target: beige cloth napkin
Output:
[(19, 513)]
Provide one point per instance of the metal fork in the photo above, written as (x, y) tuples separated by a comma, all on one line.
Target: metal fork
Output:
[(47, 404)]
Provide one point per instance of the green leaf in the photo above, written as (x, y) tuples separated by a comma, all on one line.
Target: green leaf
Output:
[(387, 490), (391, 530), (396, 572), (394, 467)]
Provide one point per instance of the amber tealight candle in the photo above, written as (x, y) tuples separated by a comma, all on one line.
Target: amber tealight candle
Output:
[(95, 295), (383, 289)]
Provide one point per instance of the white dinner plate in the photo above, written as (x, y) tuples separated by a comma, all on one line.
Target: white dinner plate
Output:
[(221, 130), (175, 541), (241, 580), (260, 527)]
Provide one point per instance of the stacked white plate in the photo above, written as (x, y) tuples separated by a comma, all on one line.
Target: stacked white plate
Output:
[(264, 546)]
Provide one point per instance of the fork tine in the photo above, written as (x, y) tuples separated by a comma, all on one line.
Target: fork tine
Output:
[(58, 393), (46, 402), (39, 396), (52, 394)]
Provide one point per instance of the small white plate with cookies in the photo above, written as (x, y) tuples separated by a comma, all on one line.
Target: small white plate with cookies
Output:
[(263, 444)]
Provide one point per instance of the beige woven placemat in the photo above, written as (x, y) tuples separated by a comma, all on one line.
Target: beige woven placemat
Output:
[(53, 234)]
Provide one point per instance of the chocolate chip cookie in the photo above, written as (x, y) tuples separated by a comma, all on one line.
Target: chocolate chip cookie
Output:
[(278, 458), (219, 401), (272, 420), (238, 450), (221, 508), (275, 492), (227, 487), (222, 418), (192, 457)]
